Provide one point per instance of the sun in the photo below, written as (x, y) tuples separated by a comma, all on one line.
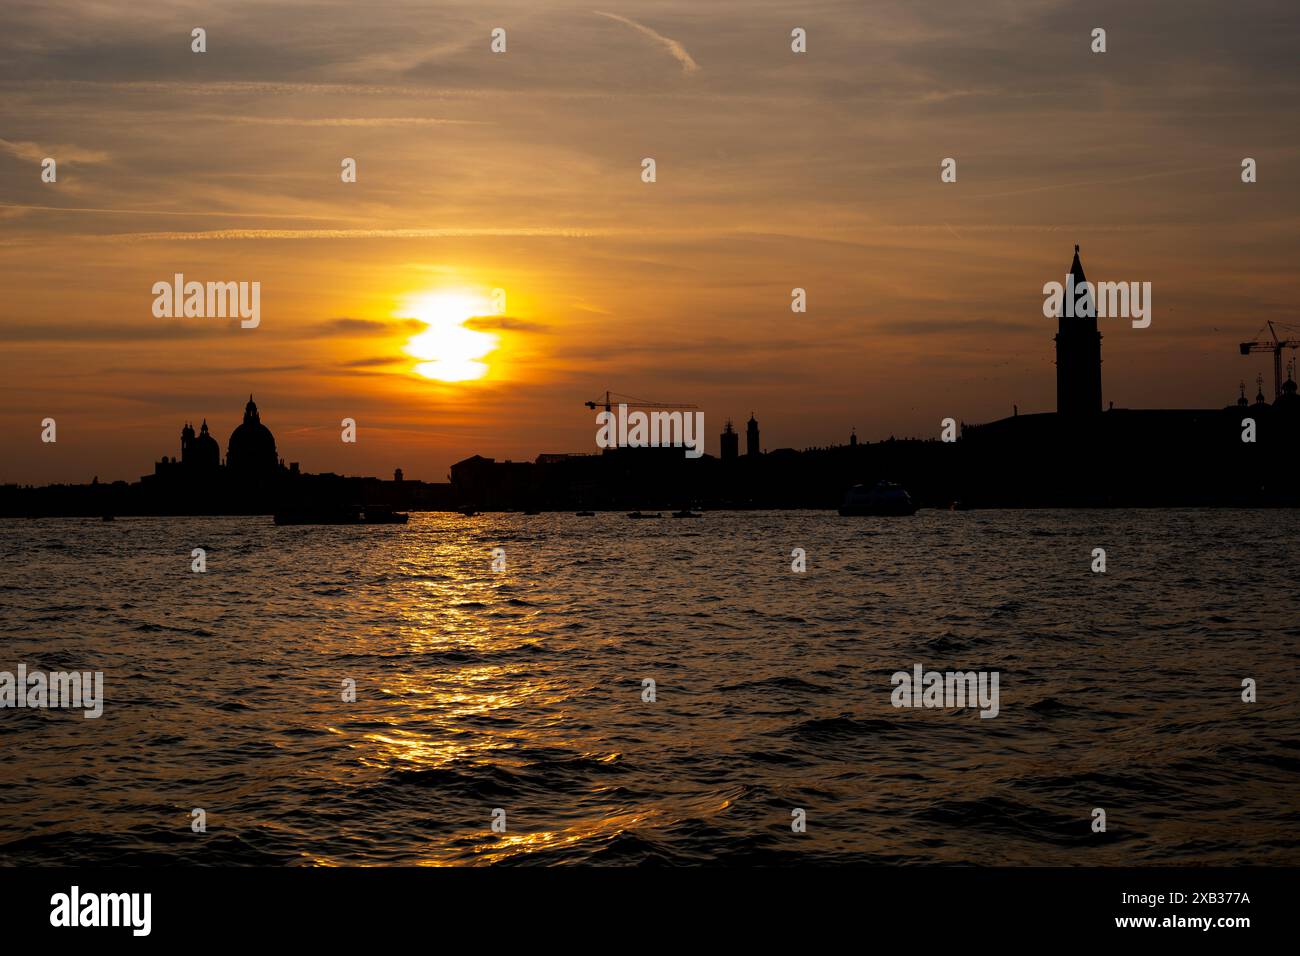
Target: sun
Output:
[(449, 351)]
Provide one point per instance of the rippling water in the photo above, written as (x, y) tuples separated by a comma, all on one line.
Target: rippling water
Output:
[(522, 689)]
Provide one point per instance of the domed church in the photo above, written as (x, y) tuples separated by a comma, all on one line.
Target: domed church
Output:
[(251, 451), (199, 452)]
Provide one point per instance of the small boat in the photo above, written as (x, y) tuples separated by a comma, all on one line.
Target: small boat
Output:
[(319, 516), (469, 512), (341, 516), (638, 514), (586, 514), (885, 499), (687, 513)]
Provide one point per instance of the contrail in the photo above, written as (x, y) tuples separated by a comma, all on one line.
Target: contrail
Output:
[(542, 232), (676, 49)]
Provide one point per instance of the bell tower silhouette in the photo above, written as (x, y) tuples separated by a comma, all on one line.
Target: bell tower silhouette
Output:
[(1078, 356)]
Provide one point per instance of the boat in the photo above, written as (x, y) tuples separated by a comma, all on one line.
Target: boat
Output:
[(687, 513), (586, 514), (885, 498), (469, 512), (319, 516), (639, 514), (341, 516)]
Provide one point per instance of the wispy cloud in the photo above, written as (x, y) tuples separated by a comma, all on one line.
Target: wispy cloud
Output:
[(225, 214), (504, 323), (34, 152), (509, 233), (672, 46), (368, 121), (350, 326)]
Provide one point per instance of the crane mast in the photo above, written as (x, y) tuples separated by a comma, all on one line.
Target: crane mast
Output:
[(1275, 346), (614, 398)]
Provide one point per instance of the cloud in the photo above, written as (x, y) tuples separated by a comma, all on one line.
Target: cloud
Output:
[(341, 121), (508, 233), (504, 323), (69, 332), (378, 361), (347, 325), (676, 49), (34, 152)]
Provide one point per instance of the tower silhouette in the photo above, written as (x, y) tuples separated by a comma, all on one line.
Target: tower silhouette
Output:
[(729, 442), (751, 436), (187, 443), (1078, 354)]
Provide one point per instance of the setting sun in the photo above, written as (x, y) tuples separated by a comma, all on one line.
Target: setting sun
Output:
[(449, 351)]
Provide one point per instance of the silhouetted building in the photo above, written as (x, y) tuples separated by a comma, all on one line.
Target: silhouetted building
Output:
[(200, 457), (1078, 354), (1288, 402), (204, 453), (729, 443), (251, 451), (1080, 456), (253, 481)]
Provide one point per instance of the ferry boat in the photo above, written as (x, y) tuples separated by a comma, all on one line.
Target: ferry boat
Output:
[(886, 498)]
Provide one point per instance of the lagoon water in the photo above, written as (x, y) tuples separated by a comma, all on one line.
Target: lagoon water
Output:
[(522, 690)]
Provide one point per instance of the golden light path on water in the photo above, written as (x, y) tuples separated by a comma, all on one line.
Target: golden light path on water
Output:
[(447, 618)]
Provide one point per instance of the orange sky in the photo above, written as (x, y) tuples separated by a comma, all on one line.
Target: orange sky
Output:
[(521, 171)]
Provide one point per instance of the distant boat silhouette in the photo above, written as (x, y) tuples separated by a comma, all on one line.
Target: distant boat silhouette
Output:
[(638, 514), (687, 513), (886, 499), (586, 514), (340, 516)]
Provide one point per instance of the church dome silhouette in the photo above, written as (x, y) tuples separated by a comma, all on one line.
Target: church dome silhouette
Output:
[(251, 450)]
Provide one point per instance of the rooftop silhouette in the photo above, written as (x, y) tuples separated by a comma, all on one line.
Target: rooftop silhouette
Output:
[(1078, 455)]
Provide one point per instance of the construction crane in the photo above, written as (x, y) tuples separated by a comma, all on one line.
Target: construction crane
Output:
[(1276, 347), (613, 398)]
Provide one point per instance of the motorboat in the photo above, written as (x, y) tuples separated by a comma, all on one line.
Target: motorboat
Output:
[(341, 516), (319, 516), (885, 498)]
